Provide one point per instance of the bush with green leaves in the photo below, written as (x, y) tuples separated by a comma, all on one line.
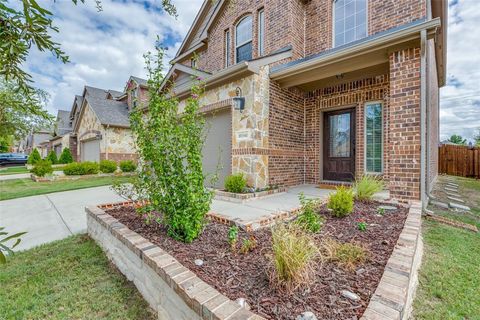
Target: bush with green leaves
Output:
[(293, 259), (170, 145), (235, 183), (42, 168), (128, 166), (108, 166), (81, 168), (341, 202), (65, 156), (52, 157), (366, 187), (308, 218), (34, 157)]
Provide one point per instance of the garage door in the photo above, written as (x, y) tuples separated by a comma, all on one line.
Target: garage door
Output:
[(91, 151), (217, 151)]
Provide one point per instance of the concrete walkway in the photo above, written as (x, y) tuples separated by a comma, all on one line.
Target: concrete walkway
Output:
[(14, 176), (51, 216)]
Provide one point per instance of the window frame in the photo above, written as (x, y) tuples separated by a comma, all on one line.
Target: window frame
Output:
[(261, 33), (245, 42), (382, 158), (334, 45), (227, 40)]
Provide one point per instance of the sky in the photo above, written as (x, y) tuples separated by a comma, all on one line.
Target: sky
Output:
[(106, 47)]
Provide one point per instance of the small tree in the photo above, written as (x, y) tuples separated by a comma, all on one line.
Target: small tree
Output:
[(170, 148), (34, 157), (52, 157), (457, 139), (477, 138), (65, 156)]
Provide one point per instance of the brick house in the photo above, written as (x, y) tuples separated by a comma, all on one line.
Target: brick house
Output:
[(305, 91), (62, 132), (100, 121)]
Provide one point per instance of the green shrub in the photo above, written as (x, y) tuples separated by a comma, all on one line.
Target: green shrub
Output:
[(308, 219), (235, 183), (127, 166), (294, 253), (341, 202), (81, 168), (366, 187), (42, 168), (34, 157), (65, 156), (52, 157), (108, 166)]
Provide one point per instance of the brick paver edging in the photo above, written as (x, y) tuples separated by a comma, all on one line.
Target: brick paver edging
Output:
[(171, 289), (393, 297)]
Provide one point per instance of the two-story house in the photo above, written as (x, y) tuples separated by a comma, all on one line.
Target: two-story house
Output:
[(312, 91), (101, 125)]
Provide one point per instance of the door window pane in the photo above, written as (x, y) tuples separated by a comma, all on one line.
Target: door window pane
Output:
[(340, 135), (374, 137)]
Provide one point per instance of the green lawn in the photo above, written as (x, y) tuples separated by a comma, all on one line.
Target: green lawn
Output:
[(17, 188), (13, 170), (449, 277), (67, 279)]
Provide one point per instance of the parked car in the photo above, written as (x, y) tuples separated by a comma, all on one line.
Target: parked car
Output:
[(7, 159)]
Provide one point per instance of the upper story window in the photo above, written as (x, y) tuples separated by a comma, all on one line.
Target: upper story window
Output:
[(193, 63), (227, 48), (350, 20), (261, 32), (134, 97), (243, 40)]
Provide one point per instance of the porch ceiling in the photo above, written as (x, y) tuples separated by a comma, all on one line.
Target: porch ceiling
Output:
[(366, 54)]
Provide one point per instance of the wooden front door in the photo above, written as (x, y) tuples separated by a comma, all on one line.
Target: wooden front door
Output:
[(339, 145)]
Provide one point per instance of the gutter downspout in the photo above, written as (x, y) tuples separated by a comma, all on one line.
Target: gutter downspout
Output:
[(423, 107)]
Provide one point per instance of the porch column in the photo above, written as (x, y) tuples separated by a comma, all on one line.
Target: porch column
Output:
[(404, 119)]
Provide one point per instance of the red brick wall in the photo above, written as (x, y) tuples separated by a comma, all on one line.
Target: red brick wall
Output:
[(286, 136), (73, 147), (305, 25), (404, 146)]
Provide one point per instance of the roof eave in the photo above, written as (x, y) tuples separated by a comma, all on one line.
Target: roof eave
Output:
[(386, 40)]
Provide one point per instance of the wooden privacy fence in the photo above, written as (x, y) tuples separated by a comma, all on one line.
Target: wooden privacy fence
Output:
[(461, 161)]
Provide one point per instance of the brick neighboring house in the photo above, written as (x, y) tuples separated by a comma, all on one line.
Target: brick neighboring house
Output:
[(330, 90), (101, 127), (39, 140)]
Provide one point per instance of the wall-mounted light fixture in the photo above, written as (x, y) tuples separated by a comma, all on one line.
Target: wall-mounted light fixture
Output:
[(238, 101)]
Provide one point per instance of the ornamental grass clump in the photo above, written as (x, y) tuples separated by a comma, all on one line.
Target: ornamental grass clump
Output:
[(308, 218), (341, 202), (366, 187), (347, 255), (169, 142), (81, 168), (235, 183), (293, 259)]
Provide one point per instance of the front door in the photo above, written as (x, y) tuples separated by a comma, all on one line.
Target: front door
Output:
[(339, 145)]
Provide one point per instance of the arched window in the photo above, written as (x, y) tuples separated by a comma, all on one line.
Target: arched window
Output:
[(350, 20), (243, 40)]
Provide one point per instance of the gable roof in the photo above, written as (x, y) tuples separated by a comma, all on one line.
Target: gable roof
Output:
[(110, 112), (63, 122), (94, 92), (180, 68), (115, 94), (139, 81)]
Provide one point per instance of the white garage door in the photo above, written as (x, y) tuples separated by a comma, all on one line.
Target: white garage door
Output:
[(217, 151), (91, 151)]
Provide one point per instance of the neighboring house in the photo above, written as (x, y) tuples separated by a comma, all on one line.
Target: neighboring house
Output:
[(101, 126), (62, 134), (38, 139), (322, 90)]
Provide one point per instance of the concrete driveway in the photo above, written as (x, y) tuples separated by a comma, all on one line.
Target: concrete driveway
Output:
[(51, 216)]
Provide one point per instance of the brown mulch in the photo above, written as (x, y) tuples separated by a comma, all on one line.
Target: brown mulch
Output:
[(244, 275)]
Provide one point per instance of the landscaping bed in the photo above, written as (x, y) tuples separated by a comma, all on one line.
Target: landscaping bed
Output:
[(62, 177), (238, 275)]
